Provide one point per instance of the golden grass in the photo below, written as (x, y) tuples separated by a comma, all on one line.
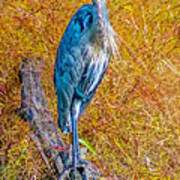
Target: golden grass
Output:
[(133, 123)]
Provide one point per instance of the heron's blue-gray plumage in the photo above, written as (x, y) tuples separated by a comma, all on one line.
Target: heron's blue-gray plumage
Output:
[(82, 59)]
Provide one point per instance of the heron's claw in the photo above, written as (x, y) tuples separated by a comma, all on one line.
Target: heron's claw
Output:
[(88, 166), (80, 172), (70, 173)]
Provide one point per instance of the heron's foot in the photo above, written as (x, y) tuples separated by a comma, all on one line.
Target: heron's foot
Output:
[(68, 172), (82, 163), (78, 173), (84, 170)]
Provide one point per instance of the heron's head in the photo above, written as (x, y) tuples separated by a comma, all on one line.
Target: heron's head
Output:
[(108, 36)]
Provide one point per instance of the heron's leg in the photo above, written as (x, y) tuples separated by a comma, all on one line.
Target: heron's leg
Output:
[(75, 150), (75, 142)]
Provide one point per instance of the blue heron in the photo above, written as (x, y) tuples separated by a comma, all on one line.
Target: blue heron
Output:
[(82, 59)]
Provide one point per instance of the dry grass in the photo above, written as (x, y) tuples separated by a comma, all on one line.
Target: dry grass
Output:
[(133, 123)]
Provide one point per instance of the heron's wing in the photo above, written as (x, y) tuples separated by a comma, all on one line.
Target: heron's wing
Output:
[(69, 65), (68, 72)]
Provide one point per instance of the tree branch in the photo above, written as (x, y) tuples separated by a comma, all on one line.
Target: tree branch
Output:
[(45, 131)]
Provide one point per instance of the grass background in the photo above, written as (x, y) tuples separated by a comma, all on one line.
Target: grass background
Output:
[(133, 122)]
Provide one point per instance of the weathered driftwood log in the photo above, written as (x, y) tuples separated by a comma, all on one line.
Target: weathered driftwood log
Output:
[(45, 130)]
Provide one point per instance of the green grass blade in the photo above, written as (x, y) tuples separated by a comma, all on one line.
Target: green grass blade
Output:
[(87, 145)]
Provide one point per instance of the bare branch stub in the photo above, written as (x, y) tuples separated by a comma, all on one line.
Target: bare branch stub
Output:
[(45, 131)]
